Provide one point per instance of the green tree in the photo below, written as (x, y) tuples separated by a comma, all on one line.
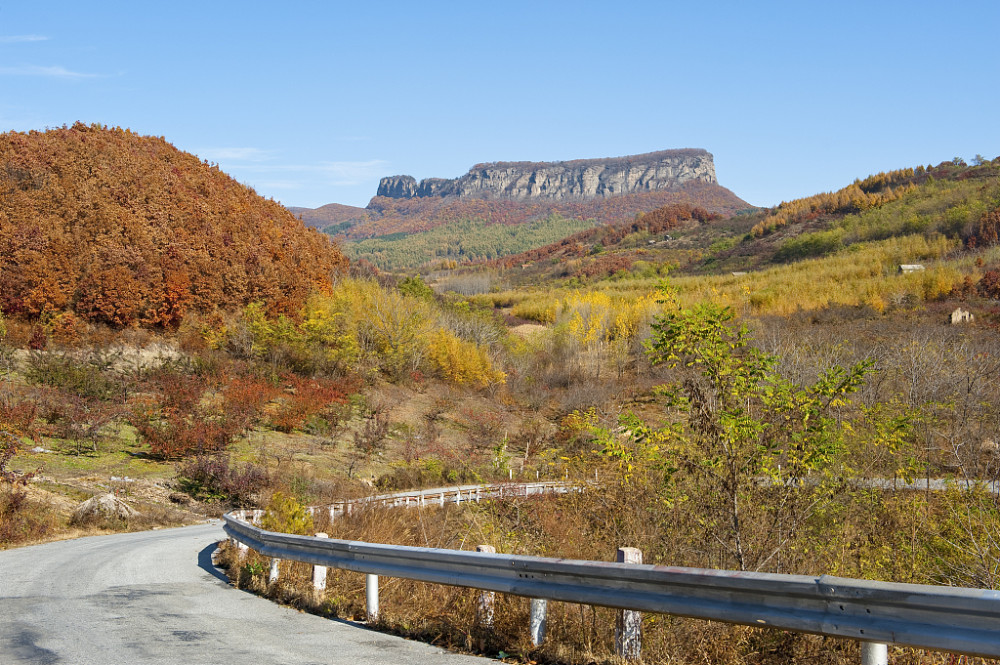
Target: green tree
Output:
[(758, 453)]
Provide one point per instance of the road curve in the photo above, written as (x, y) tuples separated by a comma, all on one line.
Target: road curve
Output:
[(154, 597)]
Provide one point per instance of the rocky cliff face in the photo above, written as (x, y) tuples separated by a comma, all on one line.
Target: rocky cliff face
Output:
[(557, 181)]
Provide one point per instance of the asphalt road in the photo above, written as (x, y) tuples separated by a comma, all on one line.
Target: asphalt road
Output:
[(155, 597)]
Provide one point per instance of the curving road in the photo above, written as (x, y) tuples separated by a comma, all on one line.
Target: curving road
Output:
[(155, 597)]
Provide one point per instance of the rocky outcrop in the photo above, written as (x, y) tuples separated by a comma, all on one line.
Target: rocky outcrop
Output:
[(558, 181), (398, 187)]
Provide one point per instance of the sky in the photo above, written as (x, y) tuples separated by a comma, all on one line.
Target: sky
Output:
[(312, 102)]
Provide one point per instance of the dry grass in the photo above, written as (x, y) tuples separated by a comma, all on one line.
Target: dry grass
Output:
[(590, 526)]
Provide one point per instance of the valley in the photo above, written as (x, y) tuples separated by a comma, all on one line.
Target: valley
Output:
[(172, 338)]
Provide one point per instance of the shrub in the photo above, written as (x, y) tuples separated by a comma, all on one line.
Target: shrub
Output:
[(89, 377), (309, 402), (370, 440), (461, 362), (989, 285), (286, 515), (175, 436), (183, 418), (20, 518), (17, 415), (810, 244), (74, 418), (216, 478)]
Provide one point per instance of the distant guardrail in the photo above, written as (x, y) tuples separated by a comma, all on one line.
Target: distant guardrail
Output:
[(957, 620)]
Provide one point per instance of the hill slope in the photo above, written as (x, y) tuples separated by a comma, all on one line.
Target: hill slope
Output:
[(409, 223), (331, 214), (832, 250), (127, 230)]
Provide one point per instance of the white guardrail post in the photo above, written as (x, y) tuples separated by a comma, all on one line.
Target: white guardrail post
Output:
[(319, 573), (539, 610), (484, 609), (874, 653), (628, 632), (371, 596), (275, 571)]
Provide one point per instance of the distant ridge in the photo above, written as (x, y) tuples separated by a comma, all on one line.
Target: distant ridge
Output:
[(330, 214), (406, 223), (574, 180)]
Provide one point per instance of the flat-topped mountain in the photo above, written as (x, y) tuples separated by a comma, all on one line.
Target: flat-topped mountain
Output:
[(574, 180)]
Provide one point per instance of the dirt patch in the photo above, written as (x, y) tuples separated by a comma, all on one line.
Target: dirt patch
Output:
[(526, 330)]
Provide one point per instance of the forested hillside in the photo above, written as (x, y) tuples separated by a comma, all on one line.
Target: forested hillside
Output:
[(907, 216), (400, 234), (104, 225)]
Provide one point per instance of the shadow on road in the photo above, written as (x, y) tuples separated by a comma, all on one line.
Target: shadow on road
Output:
[(205, 563)]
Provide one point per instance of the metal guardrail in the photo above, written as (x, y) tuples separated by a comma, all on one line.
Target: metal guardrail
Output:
[(958, 620)]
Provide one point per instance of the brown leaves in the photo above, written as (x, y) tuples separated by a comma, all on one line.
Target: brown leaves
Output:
[(127, 230)]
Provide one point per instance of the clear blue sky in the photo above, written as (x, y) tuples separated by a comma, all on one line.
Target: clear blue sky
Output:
[(311, 102)]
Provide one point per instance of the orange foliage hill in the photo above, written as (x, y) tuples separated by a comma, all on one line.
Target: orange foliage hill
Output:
[(388, 216), (127, 230)]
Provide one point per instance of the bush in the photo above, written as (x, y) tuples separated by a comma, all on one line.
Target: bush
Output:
[(317, 404), (20, 518), (217, 479), (461, 362), (810, 244), (285, 514), (989, 285), (185, 417), (90, 377)]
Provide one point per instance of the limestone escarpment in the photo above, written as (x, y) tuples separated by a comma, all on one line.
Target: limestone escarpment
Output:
[(558, 181)]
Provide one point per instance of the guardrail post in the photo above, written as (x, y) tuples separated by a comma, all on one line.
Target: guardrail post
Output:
[(371, 596), (442, 499), (273, 577), (484, 611), (539, 610), (319, 573), (628, 632), (874, 653)]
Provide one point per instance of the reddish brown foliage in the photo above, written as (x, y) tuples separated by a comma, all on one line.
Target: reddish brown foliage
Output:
[(127, 230), (216, 477), (189, 414), (989, 230), (306, 399), (17, 416), (388, 216), (607, 264), (654, 222), (989, 285)]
